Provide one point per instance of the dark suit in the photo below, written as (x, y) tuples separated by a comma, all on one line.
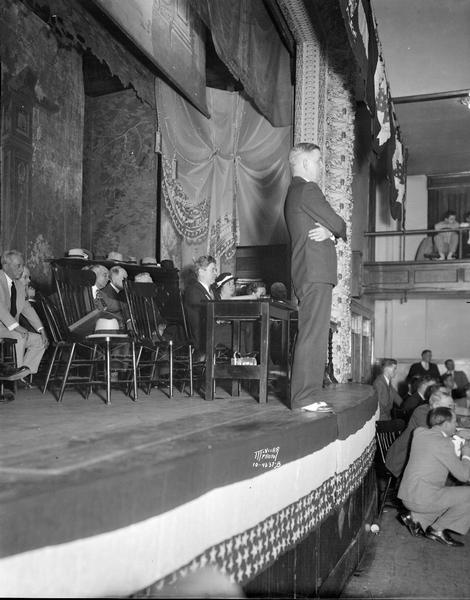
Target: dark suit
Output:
[(29, 349), (398, 452), (410, 403), (313, 267), (387, 396), (418, 369), (460, 380), (115, 302), (423, 487), (195, 299)]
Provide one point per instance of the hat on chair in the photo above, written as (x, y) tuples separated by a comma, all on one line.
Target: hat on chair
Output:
[(150, 261), (77, 253), (107, 326), (117, 256)]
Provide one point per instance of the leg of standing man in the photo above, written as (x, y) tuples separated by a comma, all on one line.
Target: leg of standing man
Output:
[(311, 346)]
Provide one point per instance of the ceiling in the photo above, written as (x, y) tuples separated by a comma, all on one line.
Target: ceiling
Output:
[(426, 48)]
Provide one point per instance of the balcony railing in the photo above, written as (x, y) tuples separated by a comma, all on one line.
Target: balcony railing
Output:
[(396, 272)]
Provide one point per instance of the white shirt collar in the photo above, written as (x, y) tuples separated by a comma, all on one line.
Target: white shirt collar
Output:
[(9, 280)]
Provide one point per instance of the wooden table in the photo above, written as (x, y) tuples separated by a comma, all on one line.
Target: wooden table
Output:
[(264, 311)]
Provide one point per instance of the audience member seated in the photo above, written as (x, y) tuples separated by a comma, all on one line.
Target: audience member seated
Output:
[(447, 240), (447, 384), (432, 506), (459, 377), (30, 346), (419, 385), (102, 278), (397, 454), (387, 395), (256, 288), (113, 294), (278, 291), (466, 235), (425, 367), (196, 295)]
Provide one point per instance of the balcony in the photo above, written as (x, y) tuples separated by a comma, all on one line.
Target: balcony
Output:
[(407, 278)]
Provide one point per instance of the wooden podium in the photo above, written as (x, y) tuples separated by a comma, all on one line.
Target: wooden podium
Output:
[(264, 311)]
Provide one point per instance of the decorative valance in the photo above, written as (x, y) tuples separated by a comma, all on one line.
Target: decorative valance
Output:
[(76, 27), (247, 42)]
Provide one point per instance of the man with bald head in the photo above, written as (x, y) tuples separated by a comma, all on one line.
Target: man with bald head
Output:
[(313, 228)]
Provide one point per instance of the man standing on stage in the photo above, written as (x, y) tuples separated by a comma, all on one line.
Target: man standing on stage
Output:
[(313, 228)]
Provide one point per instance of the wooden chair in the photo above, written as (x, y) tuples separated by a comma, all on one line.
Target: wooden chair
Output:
[(155, 353), (186, 369), (386, 432), (79, 313), (64, 346), (8, 358)]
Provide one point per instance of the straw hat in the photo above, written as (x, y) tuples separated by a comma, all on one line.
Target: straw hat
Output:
[(143, 278), (107, 326), (150, 261), (117, 256), (77, 253), (223, 278)]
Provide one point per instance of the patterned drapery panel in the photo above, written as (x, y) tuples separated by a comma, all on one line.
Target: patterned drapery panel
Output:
[(224, 178)]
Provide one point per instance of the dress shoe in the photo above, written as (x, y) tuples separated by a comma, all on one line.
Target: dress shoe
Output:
[(414, 528), (17, 374), (7, 396), (443, 537)]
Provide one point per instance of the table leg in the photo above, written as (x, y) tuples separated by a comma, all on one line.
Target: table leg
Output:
[(210, 349), (108, 373), (264, 354)]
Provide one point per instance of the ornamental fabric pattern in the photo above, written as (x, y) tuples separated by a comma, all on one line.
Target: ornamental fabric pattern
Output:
[(324, 114), (224, 178), (244, 555)]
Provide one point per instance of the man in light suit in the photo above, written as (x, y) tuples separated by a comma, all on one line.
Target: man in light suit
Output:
[(30, 346), (313, 228), (437, 508)]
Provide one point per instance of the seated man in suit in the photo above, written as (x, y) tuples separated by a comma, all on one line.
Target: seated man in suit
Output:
[(433, 507), (113, 294), (387, 395), (102, 278), (397, 454), (419, 385), (196, 295), (459, 377), (424, 367), (30, 346)]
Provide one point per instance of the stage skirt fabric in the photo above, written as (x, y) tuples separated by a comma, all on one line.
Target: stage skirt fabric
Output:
[(237, 505)]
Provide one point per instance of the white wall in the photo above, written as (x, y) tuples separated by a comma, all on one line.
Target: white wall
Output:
[(403, 330), (416, 215)]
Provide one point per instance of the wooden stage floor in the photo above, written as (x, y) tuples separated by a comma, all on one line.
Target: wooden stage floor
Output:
[(42, 441)]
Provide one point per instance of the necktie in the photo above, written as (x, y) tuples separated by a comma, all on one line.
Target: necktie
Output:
[(99, 301), (13, 299)]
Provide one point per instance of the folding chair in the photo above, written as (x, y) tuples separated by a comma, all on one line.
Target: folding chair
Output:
[(386, 432)]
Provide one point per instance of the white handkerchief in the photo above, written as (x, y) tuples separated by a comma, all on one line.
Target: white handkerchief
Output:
[(318, 407)]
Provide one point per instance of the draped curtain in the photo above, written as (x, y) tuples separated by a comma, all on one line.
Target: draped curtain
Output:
[(247, 41), (224, 178)]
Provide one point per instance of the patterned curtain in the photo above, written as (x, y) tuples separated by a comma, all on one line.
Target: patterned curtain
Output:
[(224, 178), (247, 42)]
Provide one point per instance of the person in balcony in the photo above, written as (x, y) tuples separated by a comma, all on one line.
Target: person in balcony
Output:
[(447, 240), (466, 235)]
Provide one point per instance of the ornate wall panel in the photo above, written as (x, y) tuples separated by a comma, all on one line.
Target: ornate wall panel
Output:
[(324, 114)]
